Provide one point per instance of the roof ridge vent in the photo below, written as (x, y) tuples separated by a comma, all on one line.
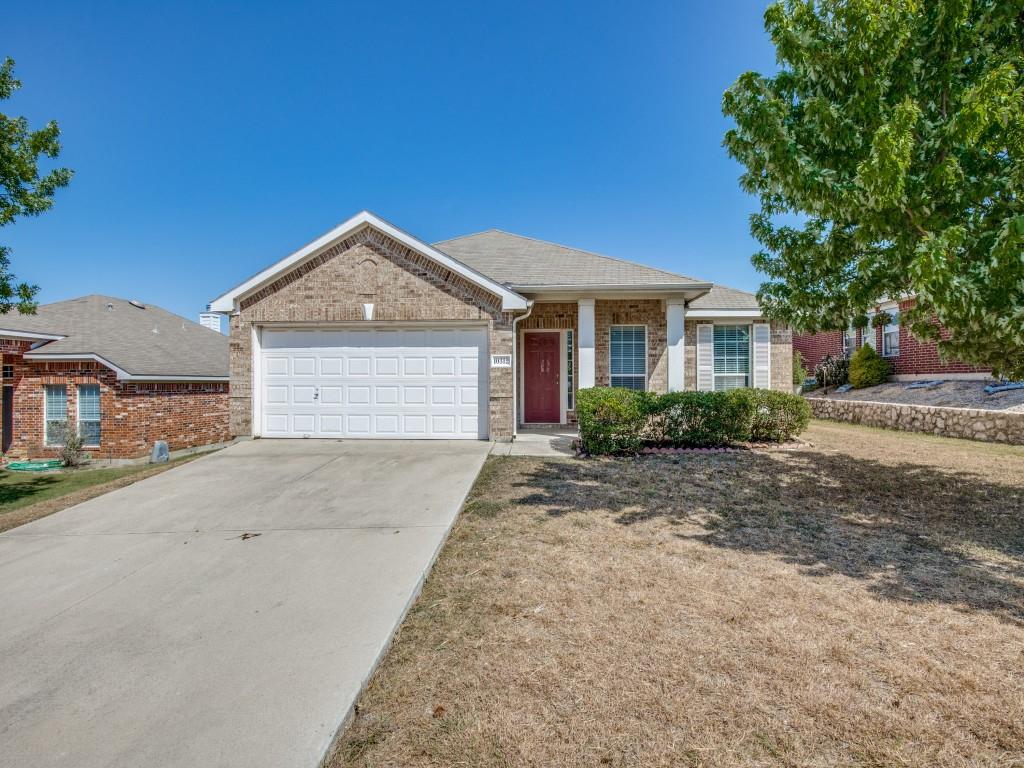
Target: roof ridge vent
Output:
[(137, 304)]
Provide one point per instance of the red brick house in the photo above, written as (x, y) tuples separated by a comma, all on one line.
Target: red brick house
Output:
[(123, 374), (910, 359)]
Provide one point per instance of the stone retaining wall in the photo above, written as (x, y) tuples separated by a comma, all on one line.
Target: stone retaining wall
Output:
[(969, 423)]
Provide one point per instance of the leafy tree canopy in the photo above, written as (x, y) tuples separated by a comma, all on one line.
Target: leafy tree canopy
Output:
[(888, 155), (23, 191)]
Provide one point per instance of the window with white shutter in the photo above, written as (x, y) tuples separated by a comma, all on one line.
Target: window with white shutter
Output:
[(705, 357), (732, 356)]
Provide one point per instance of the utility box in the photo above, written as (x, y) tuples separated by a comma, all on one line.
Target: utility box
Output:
[(160, 453)]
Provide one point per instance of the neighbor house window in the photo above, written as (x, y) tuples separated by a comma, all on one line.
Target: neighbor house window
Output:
[(8, 371), (732, 356), (629, 356), (849, 341), (867, 335), (56, 413), (891, 336), (89, 414), (569, 400)]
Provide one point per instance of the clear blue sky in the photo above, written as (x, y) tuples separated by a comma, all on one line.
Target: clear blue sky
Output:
[(209, 140)]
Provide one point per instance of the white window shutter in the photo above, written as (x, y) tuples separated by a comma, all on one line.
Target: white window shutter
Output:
[(762, 355), (705, 357)]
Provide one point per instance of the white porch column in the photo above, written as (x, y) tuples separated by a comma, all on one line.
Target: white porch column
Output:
[(675, 322), (588, 377)]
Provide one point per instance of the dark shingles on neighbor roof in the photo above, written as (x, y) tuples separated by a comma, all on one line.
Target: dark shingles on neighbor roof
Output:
[(515, 260), (143, 342), (721, 297)]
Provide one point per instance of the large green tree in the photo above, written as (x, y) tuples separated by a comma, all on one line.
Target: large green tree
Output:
[(23, 191), (887, 151)]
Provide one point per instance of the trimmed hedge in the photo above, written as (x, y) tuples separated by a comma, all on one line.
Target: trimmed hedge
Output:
[(615, 420), (778, 416)]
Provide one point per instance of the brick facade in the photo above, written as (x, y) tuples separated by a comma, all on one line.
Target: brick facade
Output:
[(403, 285), (133, 415), (652, 314), (916, 358)]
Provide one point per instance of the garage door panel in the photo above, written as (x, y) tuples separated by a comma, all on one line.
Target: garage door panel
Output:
[(366, 382), (385, 394), (275, 365), (332, 366), (331, 395)]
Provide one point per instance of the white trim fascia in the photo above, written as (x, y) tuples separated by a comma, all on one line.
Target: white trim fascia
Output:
[(28, 335), (256, 381), (510, 300), (122, 374), (724, 313), (544, 293)]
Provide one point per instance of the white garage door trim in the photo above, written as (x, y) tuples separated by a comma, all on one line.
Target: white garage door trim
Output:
[(371, 381)]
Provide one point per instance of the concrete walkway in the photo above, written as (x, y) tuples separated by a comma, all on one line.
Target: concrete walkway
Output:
[(147, 628), (556, 441)]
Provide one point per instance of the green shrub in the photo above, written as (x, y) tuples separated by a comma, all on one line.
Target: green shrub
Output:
[(777, 416), (799, 369), (832, 371), (701, 419), (616, 421), (612, 419), (867, 368)]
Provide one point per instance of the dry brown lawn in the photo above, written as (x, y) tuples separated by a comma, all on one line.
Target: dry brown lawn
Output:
[(860, 603)]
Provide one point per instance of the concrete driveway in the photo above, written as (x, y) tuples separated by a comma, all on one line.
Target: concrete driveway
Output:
[(143, 628)]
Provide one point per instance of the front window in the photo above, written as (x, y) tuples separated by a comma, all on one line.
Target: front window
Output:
[(569, 399), (56, 413), (891, 336), (89, 414), (629, 356), (732, 356)]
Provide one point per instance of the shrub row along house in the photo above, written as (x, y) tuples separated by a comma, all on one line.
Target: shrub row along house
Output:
[(909, 358), (370, 332), (120, 373)]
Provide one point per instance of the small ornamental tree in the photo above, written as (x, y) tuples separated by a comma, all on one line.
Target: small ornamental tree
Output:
[(868, 368), (24, 190), (888, 155)]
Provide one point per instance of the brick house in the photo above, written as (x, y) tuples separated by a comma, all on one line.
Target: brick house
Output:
[(370, 332), (121, 373), (910, 359)]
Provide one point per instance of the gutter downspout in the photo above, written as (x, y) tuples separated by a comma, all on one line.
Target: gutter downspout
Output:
[(515, 369)]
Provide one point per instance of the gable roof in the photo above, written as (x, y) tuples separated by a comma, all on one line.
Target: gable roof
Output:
[(721, 297), (523, 263), (138, 343), (510, 300)]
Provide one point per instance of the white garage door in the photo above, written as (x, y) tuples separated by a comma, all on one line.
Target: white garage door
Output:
[(375, 383)]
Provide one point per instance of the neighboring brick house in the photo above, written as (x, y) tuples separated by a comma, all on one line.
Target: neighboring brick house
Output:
[(121, 373), (369, 332), (910, 359)]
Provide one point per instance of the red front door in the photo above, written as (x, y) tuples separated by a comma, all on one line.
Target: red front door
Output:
[(542, 402)]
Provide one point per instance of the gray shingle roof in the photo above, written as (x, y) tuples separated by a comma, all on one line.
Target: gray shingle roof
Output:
[(520, 261), (721, 297), (143, 342)]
